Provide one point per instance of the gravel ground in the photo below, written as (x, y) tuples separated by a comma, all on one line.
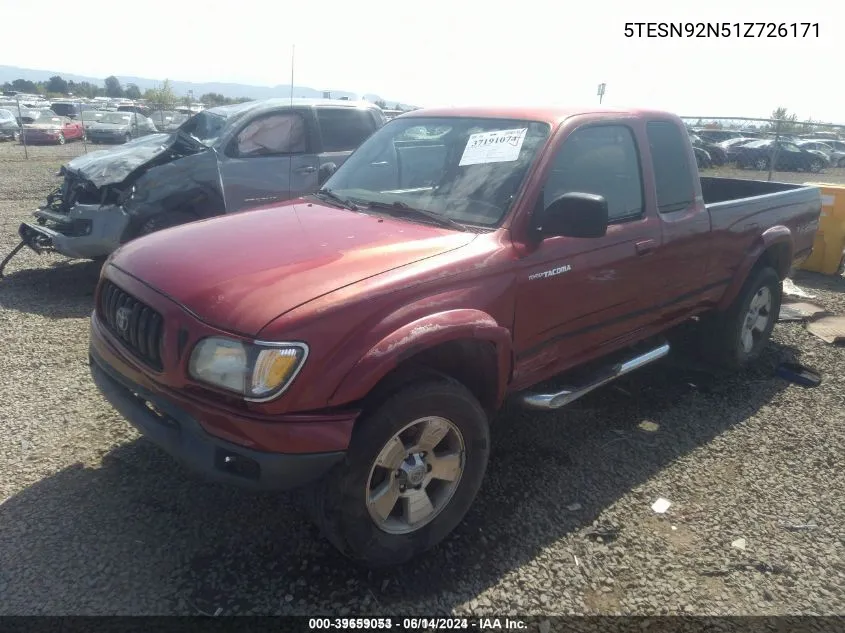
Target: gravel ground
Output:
[(95, 520)]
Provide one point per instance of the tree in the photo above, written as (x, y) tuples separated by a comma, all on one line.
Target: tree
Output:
[(132, 92), (57, 84), (785, 122), (381, 103), (113, 87), (24, 85), (161, 97)]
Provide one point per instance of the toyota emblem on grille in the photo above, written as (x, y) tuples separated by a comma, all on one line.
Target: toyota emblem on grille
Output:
[(122, 319)]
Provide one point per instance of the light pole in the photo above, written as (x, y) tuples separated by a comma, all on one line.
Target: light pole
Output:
[(601, 92)]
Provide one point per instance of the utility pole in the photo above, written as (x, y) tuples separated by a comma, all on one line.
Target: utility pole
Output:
[(601, 92)]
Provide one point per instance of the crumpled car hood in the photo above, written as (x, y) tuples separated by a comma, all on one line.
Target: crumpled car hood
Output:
[(112, 166), (241, 271)]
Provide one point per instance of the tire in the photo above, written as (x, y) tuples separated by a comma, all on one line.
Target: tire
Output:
[(724, 342), (127, 138), (761, 163), (841, 162), (16, 137), (165, 220), (342, 503), (61, 139), (816, 166)]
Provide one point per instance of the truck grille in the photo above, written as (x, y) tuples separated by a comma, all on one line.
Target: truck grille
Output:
[(137, 325)]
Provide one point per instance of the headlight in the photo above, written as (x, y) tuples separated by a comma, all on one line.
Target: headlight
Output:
[(257, 371)]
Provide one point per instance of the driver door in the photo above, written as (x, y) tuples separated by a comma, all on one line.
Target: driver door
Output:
[(269, 160)]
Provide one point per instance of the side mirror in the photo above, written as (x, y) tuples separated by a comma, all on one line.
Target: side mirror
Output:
[(575, 214), (326, 172)]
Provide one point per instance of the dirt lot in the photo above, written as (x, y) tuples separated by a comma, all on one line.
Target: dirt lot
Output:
[(96, 520)]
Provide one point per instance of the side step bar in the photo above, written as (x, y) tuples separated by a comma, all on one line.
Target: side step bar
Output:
[(548, 401)]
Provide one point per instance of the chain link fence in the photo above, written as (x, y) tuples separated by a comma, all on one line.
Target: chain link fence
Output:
[(34, 132), (767, 146)]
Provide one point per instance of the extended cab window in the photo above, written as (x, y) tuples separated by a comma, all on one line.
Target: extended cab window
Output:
[(602, 160), (344, 129), (281, 133), (672, 173)]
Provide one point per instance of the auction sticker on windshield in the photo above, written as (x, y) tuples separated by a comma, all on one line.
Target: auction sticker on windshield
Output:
[(500, 146)]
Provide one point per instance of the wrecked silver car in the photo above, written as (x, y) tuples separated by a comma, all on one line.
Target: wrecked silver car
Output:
[(221, 160)]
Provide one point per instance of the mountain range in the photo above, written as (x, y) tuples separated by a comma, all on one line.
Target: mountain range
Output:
[(233, 90)]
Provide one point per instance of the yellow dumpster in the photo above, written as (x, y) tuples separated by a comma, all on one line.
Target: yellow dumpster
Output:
[(829, 244)]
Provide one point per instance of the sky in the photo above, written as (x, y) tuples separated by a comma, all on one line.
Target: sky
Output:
[(455, 52)]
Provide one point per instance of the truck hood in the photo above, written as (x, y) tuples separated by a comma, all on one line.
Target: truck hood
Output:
[(112, 166), (241, 271)]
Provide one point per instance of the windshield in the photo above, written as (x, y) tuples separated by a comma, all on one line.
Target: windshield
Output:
[(120, 118), (204, 127), (466, 169)]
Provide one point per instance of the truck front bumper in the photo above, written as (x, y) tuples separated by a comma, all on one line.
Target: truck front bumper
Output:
[(178, 433), (88, 231)]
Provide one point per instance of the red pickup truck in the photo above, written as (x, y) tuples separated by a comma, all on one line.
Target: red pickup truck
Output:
[(356, 343)]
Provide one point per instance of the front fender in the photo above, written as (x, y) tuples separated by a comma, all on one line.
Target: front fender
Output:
[(424, 333), (777, 236)]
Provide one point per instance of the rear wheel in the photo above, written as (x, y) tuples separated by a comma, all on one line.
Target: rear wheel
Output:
[(413, 468), (738, 336), (841, 162), (816, 166), (127, 138)]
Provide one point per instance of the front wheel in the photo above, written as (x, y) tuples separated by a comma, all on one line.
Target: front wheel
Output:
[(816, 166), (841, 162), (761, 163), (738, 336), (127, 138), (412, 470), (61, 139)]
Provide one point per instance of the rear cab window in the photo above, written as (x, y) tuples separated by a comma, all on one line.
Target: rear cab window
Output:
[(673, 175), (344, 129)]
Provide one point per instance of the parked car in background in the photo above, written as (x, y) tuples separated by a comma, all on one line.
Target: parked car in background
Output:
[(51, 129), (839, 146), (358, 343), (222, 160), (716, 155), (731, 147), (91, 116), (10, 129), (168, 120), (119, 127), (715, 136), (70, 109), (138, 109), (702, 158), (836, 158), (788, 157)]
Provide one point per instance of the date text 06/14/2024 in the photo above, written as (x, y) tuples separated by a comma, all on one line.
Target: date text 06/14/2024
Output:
[(722, 29), (417, 624)]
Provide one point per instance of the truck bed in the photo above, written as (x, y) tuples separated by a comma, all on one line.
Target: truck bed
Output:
[(743, 207)]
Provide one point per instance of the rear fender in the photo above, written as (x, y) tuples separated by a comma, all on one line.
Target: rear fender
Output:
[(775, 245), (419, 335)]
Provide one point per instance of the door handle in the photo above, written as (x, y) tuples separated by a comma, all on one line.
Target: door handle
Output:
[(308, 169), (644, 247)]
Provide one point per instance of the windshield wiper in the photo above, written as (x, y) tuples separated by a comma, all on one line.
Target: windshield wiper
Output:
[(331, 195), (400, 208)]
